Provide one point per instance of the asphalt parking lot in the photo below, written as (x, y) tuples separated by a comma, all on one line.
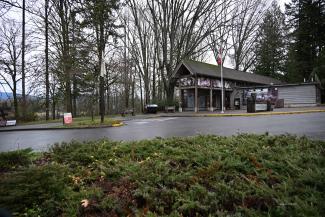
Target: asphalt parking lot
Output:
[(311, 125)]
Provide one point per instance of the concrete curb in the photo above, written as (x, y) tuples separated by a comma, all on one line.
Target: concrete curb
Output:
[(60, 128), (241, 114), (264, 113), (169, 116)]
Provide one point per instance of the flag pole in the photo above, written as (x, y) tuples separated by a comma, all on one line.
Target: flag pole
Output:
[(222, 86)]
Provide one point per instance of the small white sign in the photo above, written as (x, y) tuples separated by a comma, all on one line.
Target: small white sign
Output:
[(260, 107), (11, 123)]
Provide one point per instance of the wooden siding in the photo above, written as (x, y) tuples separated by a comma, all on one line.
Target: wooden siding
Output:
[(298, 95)]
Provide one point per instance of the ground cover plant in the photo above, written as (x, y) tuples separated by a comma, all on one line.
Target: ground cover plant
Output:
[(244, 175), (83, 122), (78, 121)]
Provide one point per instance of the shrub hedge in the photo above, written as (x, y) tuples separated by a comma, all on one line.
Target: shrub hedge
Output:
[(244, 175)]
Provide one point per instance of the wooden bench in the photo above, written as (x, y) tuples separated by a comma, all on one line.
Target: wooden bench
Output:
[(170, 109), (127, 112)]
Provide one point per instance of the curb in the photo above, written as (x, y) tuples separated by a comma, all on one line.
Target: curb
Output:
[(60, 128), (263, 113), (165, 116), (236, 115)]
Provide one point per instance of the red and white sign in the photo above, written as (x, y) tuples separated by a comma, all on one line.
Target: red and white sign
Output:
[(67, 118)]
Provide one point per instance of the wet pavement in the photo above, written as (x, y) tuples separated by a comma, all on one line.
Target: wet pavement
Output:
[(32, 126), (312, 125)]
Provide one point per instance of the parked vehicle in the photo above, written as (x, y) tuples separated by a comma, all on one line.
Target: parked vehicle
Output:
[(4, 120)]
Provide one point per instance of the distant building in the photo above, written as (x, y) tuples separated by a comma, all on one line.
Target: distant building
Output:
[(199, 88)]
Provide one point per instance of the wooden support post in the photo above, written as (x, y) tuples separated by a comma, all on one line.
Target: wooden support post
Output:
[(196, 97), (196, 100), (211, 105), (180, 108)]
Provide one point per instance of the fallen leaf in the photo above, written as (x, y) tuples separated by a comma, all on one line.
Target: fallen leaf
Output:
[(85, 203)]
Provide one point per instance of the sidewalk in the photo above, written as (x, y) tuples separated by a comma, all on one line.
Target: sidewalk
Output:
[(31, 126), (227, 113)]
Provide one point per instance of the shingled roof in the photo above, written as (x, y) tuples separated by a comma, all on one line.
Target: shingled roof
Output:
[(205, 69)]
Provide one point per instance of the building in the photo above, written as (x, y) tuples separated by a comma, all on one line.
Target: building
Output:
[(199, 88)]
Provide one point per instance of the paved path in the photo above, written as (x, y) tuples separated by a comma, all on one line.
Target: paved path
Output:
[(32, 126), (311, 125)]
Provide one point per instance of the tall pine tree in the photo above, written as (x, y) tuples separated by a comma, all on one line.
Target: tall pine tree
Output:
[(307, 39), (270, 47)]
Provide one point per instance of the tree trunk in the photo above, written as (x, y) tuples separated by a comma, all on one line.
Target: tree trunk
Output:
[(68, 95), (74, 99), (14, 92), (170, 94), (47, 82), (101, 47), (101, 99), (141, 98), (53, 108), (66, 55), (154, 81), (147, 91), (107, 100), (23, 63), (133, 94)]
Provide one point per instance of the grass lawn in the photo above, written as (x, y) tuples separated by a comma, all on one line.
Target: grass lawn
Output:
[(40, 122), (244, 175), (88, 122), (81, 120)]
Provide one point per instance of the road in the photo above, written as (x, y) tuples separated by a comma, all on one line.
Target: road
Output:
[(312, 125)]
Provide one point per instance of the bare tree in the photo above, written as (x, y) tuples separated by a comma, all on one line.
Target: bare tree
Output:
[(248, 15), (179, 30), (143, 46), (219, 39), (10, 35)]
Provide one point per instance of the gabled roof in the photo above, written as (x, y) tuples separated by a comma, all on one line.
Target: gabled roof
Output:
[(205, 69)]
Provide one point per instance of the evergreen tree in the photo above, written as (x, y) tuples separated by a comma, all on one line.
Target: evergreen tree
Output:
[(307, 39), (270, 46)]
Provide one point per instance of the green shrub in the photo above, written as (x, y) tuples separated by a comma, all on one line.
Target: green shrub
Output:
[(34, 190), (14, 159), (244, 175)]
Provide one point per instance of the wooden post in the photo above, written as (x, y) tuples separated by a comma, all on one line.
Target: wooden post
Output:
[(180, 103), (211, 106), (195, 97)]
